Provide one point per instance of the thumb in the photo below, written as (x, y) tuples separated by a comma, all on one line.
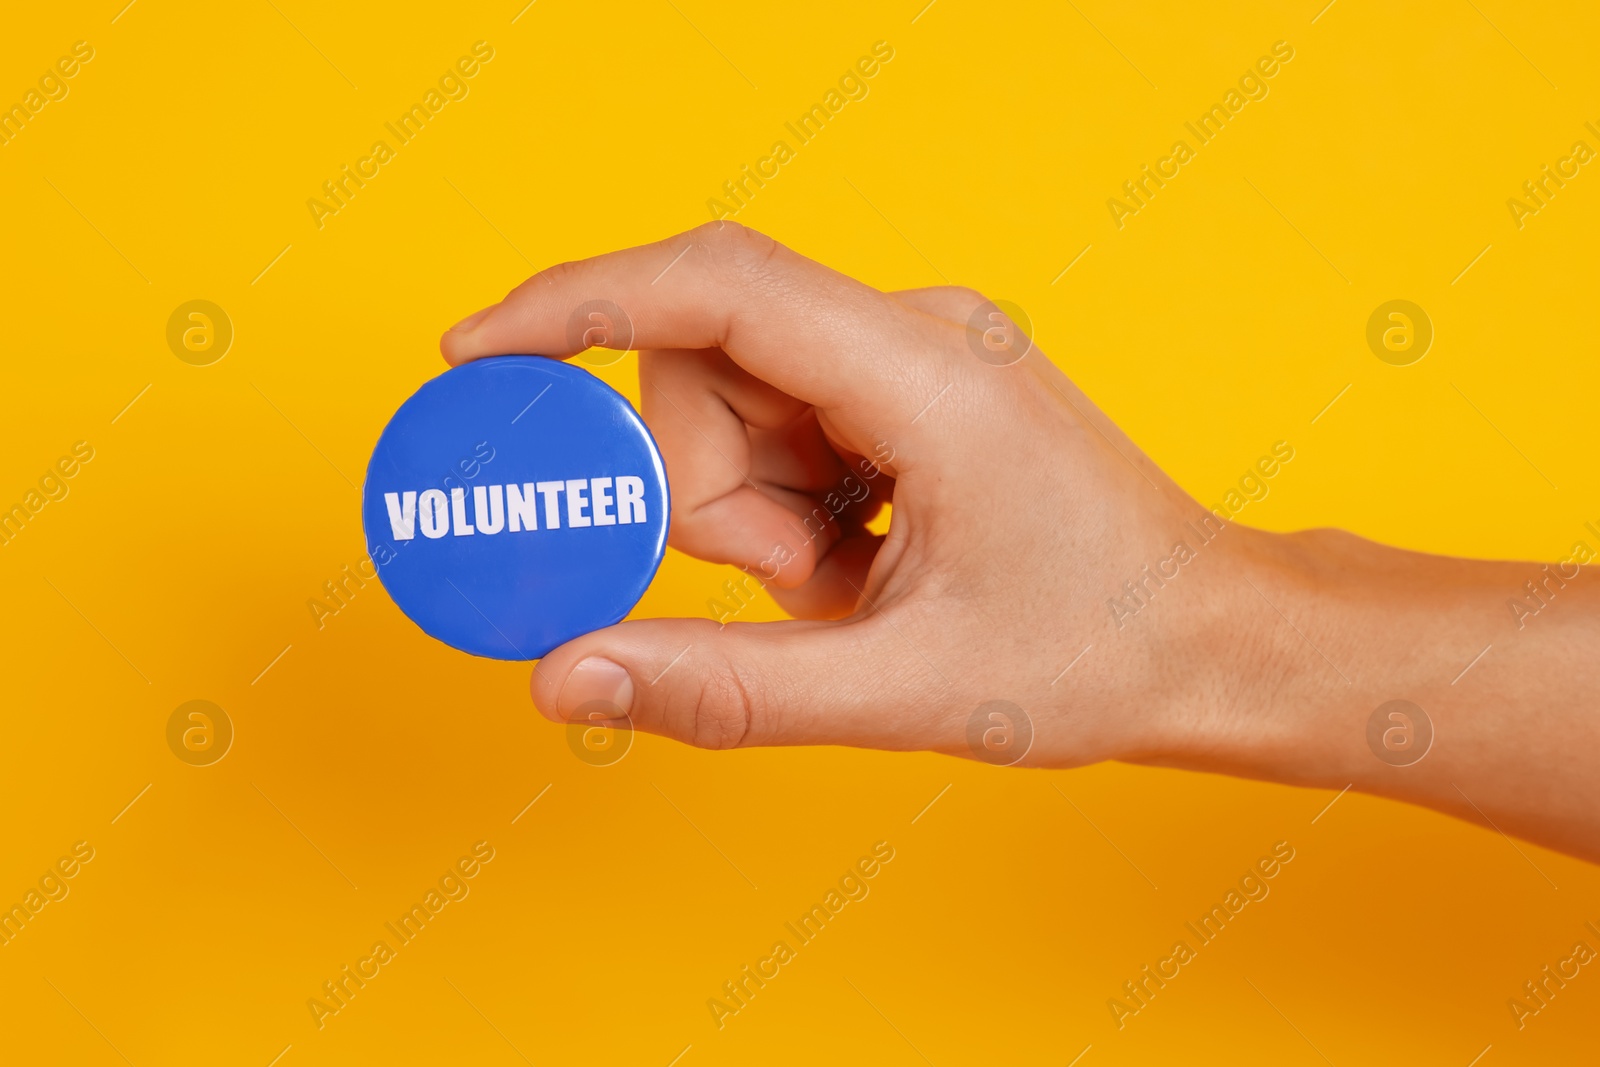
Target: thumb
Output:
[(739, 685)]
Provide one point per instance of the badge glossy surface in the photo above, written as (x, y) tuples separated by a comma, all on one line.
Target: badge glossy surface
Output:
[(514, 503)]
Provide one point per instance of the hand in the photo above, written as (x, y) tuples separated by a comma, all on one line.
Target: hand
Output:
[(790, 403), (1045, 595)]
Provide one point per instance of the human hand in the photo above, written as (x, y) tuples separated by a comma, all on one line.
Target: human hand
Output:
[(1045, 595), (790, 402)]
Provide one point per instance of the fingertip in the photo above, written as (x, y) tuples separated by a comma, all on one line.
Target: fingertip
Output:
[(456, 343), (467, 324), (835, 589), (453, 348), (791, 574), (594, 689), (543, 689)]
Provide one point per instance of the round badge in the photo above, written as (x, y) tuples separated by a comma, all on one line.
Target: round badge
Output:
[(514, 503)]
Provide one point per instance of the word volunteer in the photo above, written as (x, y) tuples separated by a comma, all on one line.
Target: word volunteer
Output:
[(589, 502)]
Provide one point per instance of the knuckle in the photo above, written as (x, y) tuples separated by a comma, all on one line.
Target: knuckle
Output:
[(724, 707), (555, 274), (964, 296), (961, 303), (719, 233), (737, 249)]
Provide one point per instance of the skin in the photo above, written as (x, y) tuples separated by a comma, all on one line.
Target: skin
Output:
[(778, 389)]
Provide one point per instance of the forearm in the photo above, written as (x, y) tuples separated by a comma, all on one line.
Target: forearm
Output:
[(1333, 627), (1017, 506)]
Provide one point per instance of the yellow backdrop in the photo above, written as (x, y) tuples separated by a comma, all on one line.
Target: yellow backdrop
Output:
[(166, 153)]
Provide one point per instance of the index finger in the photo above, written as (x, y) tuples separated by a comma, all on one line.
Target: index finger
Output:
[(810, 331)]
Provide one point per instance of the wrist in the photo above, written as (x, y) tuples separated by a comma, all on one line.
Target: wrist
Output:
[(1304, 636)]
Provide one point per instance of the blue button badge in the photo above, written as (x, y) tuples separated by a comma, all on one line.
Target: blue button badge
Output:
[(514, 503)]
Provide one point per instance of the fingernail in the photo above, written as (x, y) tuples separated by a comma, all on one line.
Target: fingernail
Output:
[(471, 320), (596, 689)]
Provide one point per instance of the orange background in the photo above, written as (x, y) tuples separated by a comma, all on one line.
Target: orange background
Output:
[(367, 758)]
